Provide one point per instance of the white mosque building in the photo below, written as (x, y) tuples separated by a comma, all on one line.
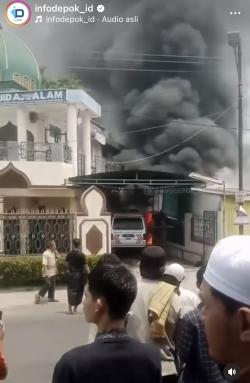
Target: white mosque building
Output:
[(46, 137)]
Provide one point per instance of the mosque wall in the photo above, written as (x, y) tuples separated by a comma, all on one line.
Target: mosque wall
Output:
[(39, 193), (8, 115), (53, 204), (43, 173)]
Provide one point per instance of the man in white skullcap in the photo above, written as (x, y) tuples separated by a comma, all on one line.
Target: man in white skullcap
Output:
[(188, 299), (152, 268), (225, 294)]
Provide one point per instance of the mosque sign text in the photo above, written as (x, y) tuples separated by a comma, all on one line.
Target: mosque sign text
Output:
[(40, 96)]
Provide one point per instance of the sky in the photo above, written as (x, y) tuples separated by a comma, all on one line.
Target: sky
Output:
[(146, 96)]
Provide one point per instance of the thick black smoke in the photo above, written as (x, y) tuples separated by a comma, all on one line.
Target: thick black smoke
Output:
[(134, 100), (185, 28)]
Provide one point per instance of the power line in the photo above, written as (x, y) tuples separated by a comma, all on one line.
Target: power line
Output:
[(114, 111), (148, 60), (157, 55), (173, 147), (169, 124), (138, 70), (129, 109)]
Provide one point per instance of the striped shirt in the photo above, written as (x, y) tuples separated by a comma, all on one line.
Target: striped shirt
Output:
[(193, 350)]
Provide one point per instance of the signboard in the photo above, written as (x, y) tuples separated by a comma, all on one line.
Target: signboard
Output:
[(242, 217), (39, 96), (241, 220)]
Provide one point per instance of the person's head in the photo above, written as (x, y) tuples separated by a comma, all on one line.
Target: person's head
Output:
[(153, 261), (225, 293), (174, 274), (111, 290), (51, 245), (110, 259), (76, 243), (200, 275)]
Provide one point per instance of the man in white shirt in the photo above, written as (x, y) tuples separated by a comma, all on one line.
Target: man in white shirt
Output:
[(189, 300), (152, 267), (49, 272)]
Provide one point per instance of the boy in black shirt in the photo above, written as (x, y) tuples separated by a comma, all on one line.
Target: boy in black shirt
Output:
[(114, 356)]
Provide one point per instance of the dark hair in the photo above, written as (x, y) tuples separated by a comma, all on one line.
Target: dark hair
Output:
[(230, 304), (200, 274), (76, 243), (153, 261), (116, 284), (109, 259)]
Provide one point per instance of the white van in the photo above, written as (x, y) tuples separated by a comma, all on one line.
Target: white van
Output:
[(128, 230)]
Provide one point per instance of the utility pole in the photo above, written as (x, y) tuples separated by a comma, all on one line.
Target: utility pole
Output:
[(234, 41)]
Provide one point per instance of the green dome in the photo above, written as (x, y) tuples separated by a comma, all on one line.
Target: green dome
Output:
[(18, 66)]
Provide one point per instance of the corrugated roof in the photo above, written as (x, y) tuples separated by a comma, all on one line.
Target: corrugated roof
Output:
[(136, 177)]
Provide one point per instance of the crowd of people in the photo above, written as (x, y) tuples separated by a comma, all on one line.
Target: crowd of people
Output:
[(171, 332), (154, 330)]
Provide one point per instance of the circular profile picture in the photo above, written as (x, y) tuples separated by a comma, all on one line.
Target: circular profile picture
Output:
[(18, 13)]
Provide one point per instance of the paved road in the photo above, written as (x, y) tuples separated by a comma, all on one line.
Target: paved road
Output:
[(37, 335)]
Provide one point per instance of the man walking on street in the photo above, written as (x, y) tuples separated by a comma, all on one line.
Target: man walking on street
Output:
[(49, 272)]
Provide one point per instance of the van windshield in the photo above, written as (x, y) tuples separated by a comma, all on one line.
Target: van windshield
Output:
[(128, 223)]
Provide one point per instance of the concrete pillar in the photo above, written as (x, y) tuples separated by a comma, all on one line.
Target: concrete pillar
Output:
[(187, 227), (86, 145), (1, 226), (24, 205), (24, 233), (72, 135), (220, 225), (1, 205), (38, 131), (21, 131), (21, 125)]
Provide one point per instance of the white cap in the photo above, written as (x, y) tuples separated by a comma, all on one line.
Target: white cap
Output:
[(228, 269), (176, 271)]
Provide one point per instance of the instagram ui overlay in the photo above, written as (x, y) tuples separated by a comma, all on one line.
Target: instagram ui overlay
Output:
[(18, 13)]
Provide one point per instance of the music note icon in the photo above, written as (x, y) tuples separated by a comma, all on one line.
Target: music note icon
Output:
[(39, 19)]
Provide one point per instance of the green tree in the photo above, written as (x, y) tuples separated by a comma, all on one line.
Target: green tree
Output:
[(62, 83)]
